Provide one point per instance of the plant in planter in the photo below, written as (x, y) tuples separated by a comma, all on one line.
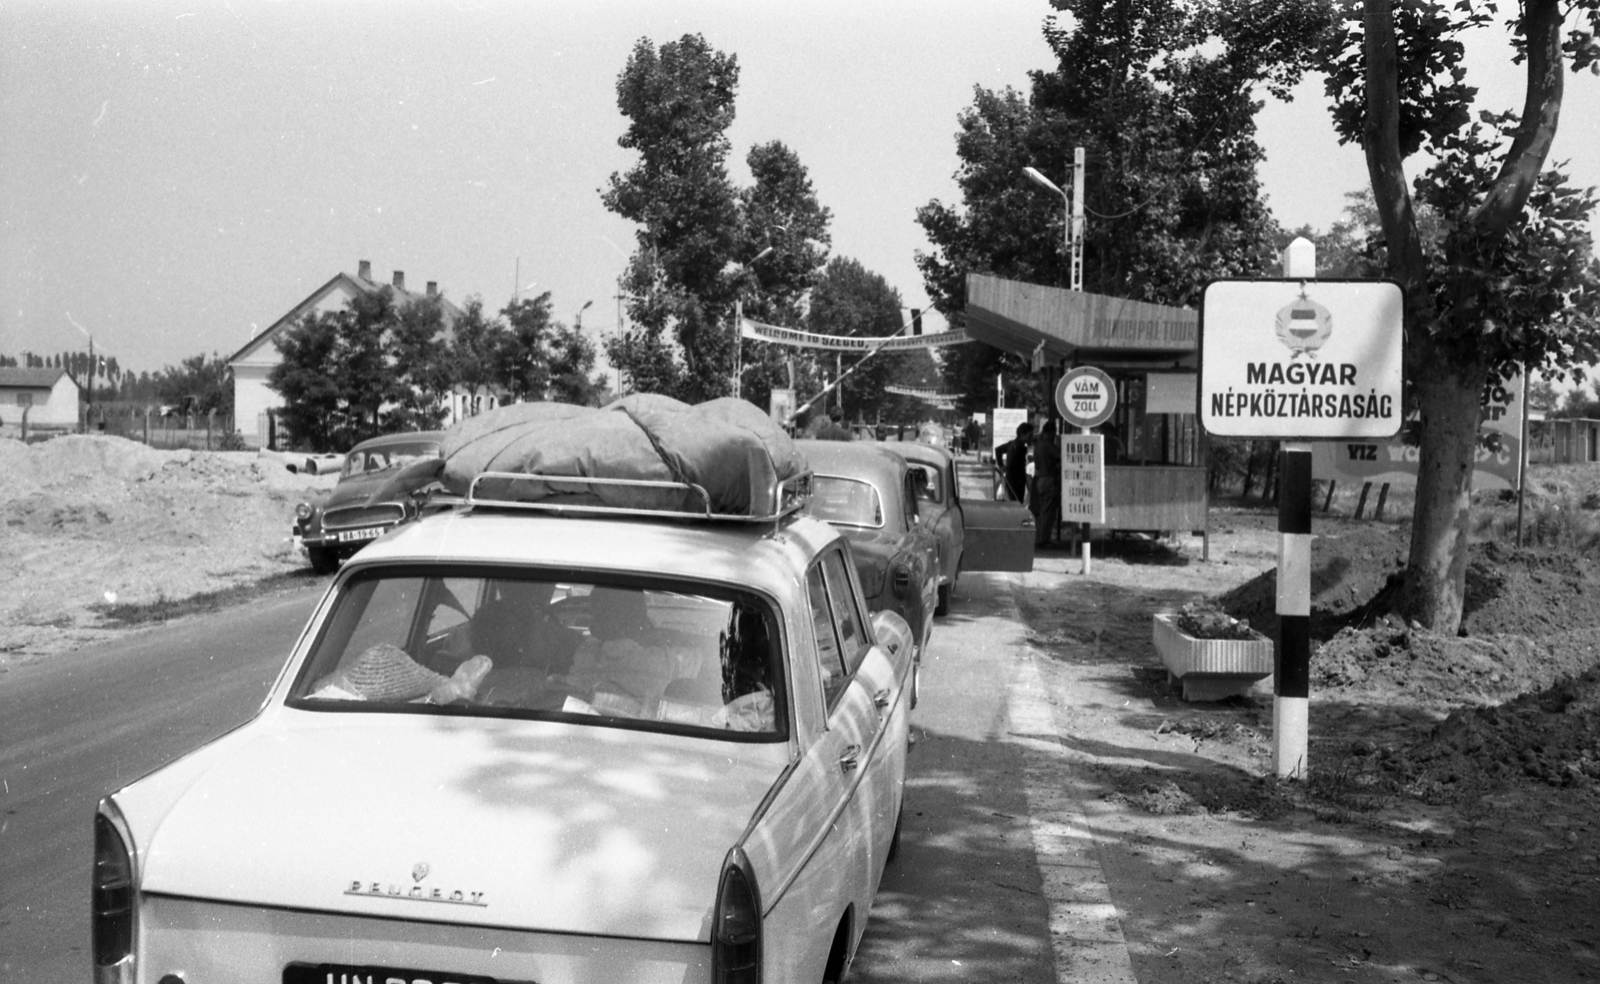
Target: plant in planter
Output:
[(1204, 620), (1211, 653)]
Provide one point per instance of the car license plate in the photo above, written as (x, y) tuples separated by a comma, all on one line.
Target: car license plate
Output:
[(299, 973), (345, 536)]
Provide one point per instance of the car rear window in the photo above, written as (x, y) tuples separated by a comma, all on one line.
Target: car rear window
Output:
[(656, 655), (845, 500)]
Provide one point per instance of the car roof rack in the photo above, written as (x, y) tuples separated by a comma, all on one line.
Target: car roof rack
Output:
[(783, 498)]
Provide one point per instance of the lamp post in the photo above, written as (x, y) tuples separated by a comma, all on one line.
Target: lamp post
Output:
[(1072, 216), (1072, 223), (738, 317)]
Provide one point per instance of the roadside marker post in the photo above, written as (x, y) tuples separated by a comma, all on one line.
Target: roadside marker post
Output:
[(1338, 375), (1085, 397)]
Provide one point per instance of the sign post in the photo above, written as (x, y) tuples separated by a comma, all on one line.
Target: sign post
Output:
[(1295, 360), (1085, 398)]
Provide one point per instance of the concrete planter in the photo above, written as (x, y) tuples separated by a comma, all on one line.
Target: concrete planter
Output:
[(1211, 669)]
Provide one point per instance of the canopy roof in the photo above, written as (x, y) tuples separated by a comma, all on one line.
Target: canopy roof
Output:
[(1080, 328)]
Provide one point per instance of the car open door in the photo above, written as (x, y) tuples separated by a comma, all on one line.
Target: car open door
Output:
[(999, 536)]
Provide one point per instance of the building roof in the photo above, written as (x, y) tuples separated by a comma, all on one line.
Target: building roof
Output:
[(30, 378), (1077, 326), (360, 283)]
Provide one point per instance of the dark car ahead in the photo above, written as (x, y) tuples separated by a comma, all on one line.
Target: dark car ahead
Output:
[(385, 482), (867, 493), (972, 534)]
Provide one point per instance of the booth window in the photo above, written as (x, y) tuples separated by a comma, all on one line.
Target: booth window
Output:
[(1137, 437)]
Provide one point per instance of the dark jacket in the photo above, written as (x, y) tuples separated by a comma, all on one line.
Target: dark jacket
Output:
[(1014, 457)]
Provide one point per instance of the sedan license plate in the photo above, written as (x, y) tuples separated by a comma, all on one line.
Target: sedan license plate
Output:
[(299, 973), (345, 536)]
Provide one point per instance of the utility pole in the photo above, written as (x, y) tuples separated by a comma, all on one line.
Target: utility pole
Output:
[(1075, 232), (89, 414)]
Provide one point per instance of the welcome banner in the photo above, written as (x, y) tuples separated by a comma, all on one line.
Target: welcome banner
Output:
[(847, 343)]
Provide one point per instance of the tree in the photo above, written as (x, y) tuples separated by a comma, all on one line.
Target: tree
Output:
[(571, 368), (524, 358), (780, 212), (1160, 95), (679, 101), (852, 300), (523, 354), (1510, 280), (208, 383), (421, 368), (315, 410), (699, 235), (474, 351), (338, 375)]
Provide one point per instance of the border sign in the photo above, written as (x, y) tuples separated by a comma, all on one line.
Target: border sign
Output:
[(1083, 478), (1086, 397), (1301, 359)]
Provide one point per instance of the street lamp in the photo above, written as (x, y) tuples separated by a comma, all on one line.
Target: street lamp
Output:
[(738, 317), (1072, 216)]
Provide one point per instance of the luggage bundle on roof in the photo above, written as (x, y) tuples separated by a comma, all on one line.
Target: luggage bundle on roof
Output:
[(720, 459)]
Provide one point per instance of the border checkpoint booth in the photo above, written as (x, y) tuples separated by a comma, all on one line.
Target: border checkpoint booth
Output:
[(1155, 475)]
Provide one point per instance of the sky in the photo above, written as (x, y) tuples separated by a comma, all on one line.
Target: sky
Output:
[(175, 175)]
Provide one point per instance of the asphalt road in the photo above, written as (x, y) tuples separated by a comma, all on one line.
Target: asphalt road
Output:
[(79, 725), (990, 884)]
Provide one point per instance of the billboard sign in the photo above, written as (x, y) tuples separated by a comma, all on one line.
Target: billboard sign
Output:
[(1394, 462)]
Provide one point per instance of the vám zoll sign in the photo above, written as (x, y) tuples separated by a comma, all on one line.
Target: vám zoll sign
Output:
[(1086, 396), (1301, 359)]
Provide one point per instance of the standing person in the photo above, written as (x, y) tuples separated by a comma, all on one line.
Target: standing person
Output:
[(1014, 462), (1046, 504), (833, 428)]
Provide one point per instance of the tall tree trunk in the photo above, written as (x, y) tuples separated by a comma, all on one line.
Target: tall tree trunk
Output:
[(1449, 399)]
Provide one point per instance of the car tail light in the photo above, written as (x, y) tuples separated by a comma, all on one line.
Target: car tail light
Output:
[(112, 910), (902, 580), (736, 928)]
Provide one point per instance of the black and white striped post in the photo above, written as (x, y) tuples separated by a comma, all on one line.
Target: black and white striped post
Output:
[(1291, 679), (1292, 657)]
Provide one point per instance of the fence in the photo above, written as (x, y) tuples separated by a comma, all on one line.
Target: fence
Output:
[(198, 431)]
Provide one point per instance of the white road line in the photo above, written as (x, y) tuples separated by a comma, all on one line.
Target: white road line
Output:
[(1085, 933)]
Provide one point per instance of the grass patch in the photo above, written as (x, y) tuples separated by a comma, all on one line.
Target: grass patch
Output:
[(1559, 522), (122, 615)]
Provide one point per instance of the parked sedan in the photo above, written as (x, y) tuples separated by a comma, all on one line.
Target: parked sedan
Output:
[(385, 481), (517, 745), (867, 492), (971, 534)]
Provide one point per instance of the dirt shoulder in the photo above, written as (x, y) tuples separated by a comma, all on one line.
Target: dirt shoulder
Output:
[(98, 531), (1447, 831)]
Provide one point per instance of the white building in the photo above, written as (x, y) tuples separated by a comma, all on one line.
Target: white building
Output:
[(253, 399), (49, 396)]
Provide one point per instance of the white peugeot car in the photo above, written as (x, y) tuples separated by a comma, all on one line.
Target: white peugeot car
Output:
[(524, 744)]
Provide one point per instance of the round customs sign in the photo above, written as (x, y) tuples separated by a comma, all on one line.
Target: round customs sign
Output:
[(1086, 396)]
